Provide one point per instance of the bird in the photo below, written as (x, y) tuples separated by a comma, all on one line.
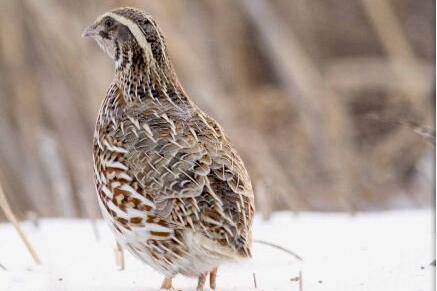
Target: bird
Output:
[(170, 185)]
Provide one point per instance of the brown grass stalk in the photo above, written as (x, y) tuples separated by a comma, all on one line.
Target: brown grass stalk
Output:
[(4, 205), (281, 248), (119, 257)]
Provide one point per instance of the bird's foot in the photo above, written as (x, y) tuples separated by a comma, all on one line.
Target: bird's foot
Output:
[(213, 279), (167, 285), (201, 282)]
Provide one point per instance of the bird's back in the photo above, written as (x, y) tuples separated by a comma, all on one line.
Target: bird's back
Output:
[(170, 183)]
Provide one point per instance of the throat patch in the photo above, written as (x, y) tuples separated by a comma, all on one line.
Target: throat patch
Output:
[(104, 34)]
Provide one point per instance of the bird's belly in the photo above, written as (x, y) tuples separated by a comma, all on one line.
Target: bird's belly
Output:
[(135, 241), (198, 254), (203, 254)]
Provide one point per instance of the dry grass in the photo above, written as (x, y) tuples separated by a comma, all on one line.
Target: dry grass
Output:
[(119, 257), (4, 206), (290, 81), (281, 248)]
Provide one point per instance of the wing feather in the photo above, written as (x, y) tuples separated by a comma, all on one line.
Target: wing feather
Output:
[(187, 165)]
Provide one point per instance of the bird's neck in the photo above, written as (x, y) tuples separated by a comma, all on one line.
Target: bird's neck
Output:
[(140, 82)]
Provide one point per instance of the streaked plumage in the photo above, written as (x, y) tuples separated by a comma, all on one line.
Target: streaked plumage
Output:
[(171, 186)]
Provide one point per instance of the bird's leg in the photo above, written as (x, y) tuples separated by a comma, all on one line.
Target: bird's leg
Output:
[(213, 278), (166, 284), (201, 282)]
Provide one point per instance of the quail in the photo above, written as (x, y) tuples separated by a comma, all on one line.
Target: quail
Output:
[(170, 185)]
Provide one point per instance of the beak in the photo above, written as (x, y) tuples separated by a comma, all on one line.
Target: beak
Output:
[(90, 31)]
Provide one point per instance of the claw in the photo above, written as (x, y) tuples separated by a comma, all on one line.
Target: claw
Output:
[(167, 284), (201, 282), (213, 278)]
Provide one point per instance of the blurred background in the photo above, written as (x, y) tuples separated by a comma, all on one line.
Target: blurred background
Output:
[(330, 102)]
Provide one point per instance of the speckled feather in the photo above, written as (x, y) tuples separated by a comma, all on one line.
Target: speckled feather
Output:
[(170, 184)]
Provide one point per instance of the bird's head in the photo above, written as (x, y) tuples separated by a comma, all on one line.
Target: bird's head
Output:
[(130, 37)]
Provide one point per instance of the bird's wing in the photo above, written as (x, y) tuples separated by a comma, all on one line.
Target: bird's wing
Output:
[(194, 176)]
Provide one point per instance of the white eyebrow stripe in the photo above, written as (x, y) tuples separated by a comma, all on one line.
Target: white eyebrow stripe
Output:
[(136, 31)]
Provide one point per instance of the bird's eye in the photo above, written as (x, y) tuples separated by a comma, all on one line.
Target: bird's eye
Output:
[(108, 23)]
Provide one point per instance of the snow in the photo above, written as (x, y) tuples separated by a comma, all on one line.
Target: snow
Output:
[(378, 251)]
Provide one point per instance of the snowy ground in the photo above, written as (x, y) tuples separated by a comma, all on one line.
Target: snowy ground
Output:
[(384, 251)]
